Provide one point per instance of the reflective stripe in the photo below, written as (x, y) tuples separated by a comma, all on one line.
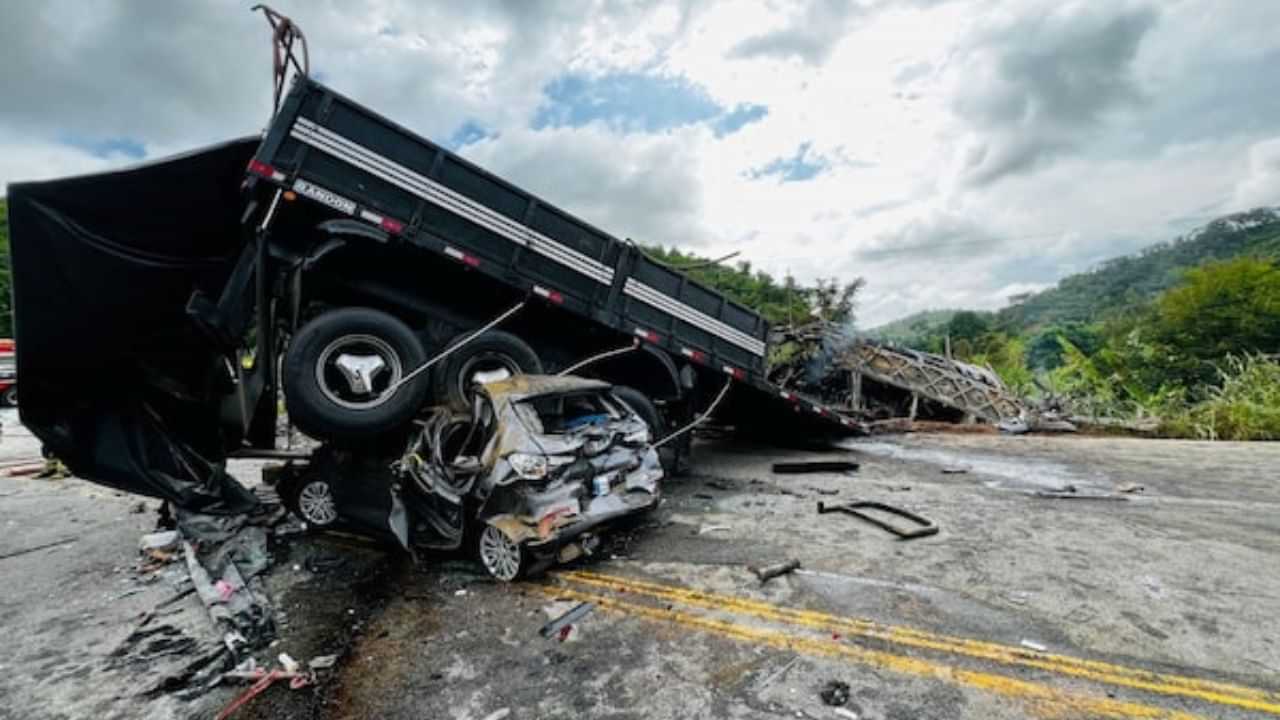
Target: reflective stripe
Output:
[(694, 317), (379, 166), (433, 192)]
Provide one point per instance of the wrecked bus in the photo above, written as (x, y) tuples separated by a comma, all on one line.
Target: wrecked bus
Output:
[(362, 274)]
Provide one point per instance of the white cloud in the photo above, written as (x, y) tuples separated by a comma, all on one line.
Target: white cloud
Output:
[(972, 148), (1262, 184)]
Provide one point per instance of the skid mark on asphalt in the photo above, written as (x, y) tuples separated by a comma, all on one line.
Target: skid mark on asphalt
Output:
[(1049, 700)]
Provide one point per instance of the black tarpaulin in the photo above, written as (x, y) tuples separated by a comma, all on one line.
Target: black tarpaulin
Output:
[(116, 379)]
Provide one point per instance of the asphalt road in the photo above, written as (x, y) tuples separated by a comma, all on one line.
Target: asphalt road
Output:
[(1161, 605)]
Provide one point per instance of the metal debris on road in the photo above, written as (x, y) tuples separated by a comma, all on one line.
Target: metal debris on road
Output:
[(770, 572), (835, 693), (926, 527), (816, 466), (560, 625), (1073, 495)]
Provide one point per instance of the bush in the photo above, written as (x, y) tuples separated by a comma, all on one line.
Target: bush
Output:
[(1245, 407)]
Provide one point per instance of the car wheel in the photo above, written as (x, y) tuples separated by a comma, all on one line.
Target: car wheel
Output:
[(493, 356), (339, 370), (316, 504), (10, 397), (500, 554)]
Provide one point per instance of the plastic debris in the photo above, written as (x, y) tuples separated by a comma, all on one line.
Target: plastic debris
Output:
[(323, 662), (288, 663), (835, 693), (846, 713), (1033, 645), (713, 528)]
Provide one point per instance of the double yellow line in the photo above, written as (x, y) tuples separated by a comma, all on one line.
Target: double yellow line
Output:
[(1047, 699)]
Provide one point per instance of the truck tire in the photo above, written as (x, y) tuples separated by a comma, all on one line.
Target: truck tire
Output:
[(668, 455), (492, 356), (338, 368)]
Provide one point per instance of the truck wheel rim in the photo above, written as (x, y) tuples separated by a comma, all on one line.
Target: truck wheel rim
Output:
[(339, 388), (499, 553), (316, 503), (485, 368)]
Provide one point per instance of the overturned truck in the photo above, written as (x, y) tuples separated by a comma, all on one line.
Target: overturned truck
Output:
[(366, 275)]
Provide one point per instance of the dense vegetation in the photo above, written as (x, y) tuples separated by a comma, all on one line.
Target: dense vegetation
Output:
[(1186, 331), (781, 303)]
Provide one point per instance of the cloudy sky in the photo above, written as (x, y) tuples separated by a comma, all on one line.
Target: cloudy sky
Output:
[(951, 152)]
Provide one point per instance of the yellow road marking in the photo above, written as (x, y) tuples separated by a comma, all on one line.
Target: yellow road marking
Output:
[(1047, 701), (1167, 684)]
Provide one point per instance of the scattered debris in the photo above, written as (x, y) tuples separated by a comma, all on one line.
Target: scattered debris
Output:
[(322, 662), (770, 572), (1033, 645), (297, 681), (288, 663), (955, 470), (1073, 495), (322, 561), (163, 541), (926, 526), (824, 491), (1131, 488), (713, 528), (816, 466), (846, 713), (835, 693), (561, 624)]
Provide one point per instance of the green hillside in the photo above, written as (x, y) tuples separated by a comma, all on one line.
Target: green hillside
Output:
[(1130, 280), (911, 330)]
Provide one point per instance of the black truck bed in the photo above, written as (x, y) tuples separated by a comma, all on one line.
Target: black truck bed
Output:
[(331, 150)]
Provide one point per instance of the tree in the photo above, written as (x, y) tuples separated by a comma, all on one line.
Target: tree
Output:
[(1222, 308), (967, 325), (833, 301)]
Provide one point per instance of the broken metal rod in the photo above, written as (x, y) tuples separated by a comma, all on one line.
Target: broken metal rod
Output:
[(576, 613), (926, 527)]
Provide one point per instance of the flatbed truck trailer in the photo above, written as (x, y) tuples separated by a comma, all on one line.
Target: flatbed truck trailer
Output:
[(161, 309)]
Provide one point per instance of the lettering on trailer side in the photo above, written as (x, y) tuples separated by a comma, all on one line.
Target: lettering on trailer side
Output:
[(328, 197)]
